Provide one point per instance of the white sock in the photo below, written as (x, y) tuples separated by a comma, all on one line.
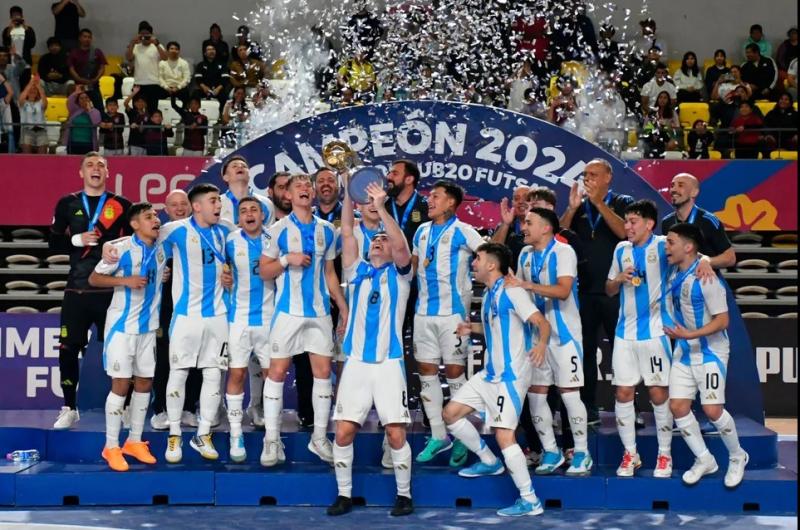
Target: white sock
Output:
[(401, 459), (663, 427), (235, 413), (690, 430), (114, 405), (321, 395), (455, 384), (256, 382), (433, 400), (516, 465), (176, 393), (542, 420), (209, 399), (468, 434), (273, 406), (626, 425), (727, 430), (139, 403), (578, 420), (343, 464)]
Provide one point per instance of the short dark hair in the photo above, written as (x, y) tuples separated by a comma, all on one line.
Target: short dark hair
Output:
[(249, 198), (549, 216), (756, 27), (410, 168), (644, 208), (85, 30), (661, 66), (275, 177), (111, 100), (199, 190), (753, 48), (157, 111), (542, 194), (298, 176), (145, 26), (173, 43), (233, 158), (14, 9), (717, 52), (500, 252), (138, 208), (689, 231), (454, 191), (317, 173), (53, 40)]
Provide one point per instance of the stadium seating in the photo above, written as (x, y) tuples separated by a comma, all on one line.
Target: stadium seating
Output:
[(56, 109), (673, 65), (127, 86), (689, 112), (114, 65), (106, 86), (765, 105), (781, 154)]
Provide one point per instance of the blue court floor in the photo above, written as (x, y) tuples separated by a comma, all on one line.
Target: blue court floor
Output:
[(179, 517)]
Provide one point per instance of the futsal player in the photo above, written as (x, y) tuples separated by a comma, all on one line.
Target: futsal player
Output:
[(251, 307), (498, 389), (642, 351), (236, 172), (378, 287), (548, 269), (300, 260), (700, 357), (442, 250), (131, 324)]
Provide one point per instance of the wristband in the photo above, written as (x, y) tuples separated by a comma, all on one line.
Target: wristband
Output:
[(77, 241), (284, 261)]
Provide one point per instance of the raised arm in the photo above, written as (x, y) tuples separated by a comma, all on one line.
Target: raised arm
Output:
[(349, 243), (397, 239)]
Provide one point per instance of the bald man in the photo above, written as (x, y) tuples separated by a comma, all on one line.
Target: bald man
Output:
[(509, 231), (716, 247)]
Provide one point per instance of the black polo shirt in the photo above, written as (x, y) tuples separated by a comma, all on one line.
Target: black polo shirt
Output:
[(515, 240), (715, 240), (418, 215)]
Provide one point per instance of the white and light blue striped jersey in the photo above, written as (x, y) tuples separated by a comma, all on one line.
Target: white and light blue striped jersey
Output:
[(364, 237), (444, 254), (694, 305), (135, 311), (230, 209), (505, 313), (302, 291), (252, 300), (643, 308), (545, 267), (377, 298), (198, 257)]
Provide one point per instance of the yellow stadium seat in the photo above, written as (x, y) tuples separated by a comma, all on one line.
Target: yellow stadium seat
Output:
[(714, 155), (689, 112), (106, 86), (34, 61), (56, 109), (783, 155), (113, 66), (765, 105), (673, 65)]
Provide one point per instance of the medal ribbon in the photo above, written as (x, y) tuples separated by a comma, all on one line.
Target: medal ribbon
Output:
[(147, 254), (594, 222), (433, 243), (675, 286), (93, 217), (536, 270), (307, 232), (493, 294), (639, 259), (211, 245), (410, 206)]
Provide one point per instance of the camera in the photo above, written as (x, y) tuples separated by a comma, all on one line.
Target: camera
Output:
[(146, 38)]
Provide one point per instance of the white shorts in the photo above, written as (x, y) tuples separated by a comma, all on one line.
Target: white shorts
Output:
[(707, 378), (502, 402), (363, 384), (244, 340), (292, 335), (198, 342), (637, 360), (435, 340), (126, 355), (563, 367)]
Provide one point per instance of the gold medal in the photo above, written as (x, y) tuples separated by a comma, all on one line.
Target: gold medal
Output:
[(636, 281), (426, 263), (226, 268)]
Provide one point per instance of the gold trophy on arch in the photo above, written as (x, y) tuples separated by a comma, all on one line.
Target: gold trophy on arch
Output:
[(340, 157)]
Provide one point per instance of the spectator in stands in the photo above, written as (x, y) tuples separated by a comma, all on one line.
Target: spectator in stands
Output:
[(608, 50), (512, 219), (363, 30), (6, 130), (87, 65), (715, 71), (533, 106), (659, 83), (647, 39), (32, 104), (53, 69), (174, 74), (564, 105), (791, 79), (211, 77), (522, 80), (325, 73), (138, 120), (688, 79), (782, 116), (661, 126), (646, 69), (575, 38), (20, 37), (787, 50), (757, 38), (247, 70), (145, 52), (11, 68), (214, 39), (358, 75), (532, 41), (699, 140), (156, 134), (112, 125), (235, 112), (760, 71), (68, 14), (195, 128), (80, 130), (243, 39), (746, 127)]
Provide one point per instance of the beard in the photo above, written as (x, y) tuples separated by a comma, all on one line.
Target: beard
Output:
[(393, 191), (677, 203)]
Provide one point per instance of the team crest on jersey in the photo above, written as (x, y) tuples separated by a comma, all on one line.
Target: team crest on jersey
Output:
[(63, 332), (240, 253), (651, 257), (416, 216), (446, 239), (194, 240), (337, 223), (108, 213), (384, 279), (685, 291), (160, 257), (320, 240)]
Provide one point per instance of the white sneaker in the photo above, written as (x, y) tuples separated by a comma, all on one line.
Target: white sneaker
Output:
[(663, 467), (272, 453), (174, 453), (159, 422), (386, 459), (735, 473), (66, 419), (126, 418), (702, 467), (323, 448), (630, 463), (205, 446), (188, 419), (256, 415), (237, 452)]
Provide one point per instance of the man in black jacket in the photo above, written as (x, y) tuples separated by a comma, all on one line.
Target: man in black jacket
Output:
[(759, 71), (211, 77)]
